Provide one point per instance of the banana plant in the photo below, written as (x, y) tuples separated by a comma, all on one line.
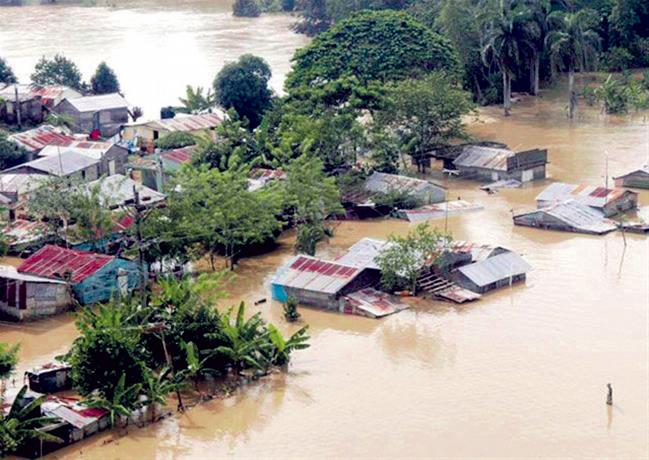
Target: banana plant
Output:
[(281, 348), (123, 402)]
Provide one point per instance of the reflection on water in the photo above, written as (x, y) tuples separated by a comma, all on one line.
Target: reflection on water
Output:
[(521, 372)]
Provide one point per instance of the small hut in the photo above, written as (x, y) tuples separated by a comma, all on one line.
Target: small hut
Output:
[(567, 216), (635, 179), (497, 164), (492, 273), (24, 296), (106, 113), (608, 201)]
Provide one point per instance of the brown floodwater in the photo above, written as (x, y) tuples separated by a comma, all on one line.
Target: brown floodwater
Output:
[(520, 373), (156, 47)]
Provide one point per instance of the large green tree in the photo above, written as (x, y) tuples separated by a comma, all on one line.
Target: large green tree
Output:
[(243, 85), (58, 70), (6, 73), (104, 81), (371, 45), (573, 46), (424, 114), (11, 154)]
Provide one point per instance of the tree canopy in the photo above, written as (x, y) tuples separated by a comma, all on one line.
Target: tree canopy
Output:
[(104, 81), (6, 73), (11, 154), (58, 70), (372, 45), (243, 86)]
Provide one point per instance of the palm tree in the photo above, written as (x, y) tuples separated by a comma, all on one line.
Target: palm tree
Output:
[(507, 38), (573, 45), (123, 402), (539, 10), (23, 423), (282, 348), (195, 101)]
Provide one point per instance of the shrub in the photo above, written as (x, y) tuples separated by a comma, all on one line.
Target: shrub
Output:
[(616, 59), (175, 140), (246, 8)]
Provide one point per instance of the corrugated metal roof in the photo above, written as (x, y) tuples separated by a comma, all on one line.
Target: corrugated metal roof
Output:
[(438, 210), (54, 261), (188, 123), (91, 149), (37, 138), (576, 215), (21, 183), (372, 303), (55, 93), (474, 156), (181, 156), (589, 195), (99, 102), (72, 412), (478, 251), (385, 183), (49, 367), (644, 170), (62, 165), (117, 190), (25, 93), (9, 272), (362, 253), (311, 274), (495, 268), (22, 231)]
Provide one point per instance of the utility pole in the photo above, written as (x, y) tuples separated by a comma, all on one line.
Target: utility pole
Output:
[(140, 248), (17, 108)]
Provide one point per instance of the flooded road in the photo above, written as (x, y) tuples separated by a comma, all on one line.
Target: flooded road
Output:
[(156, 47), (520, 373)]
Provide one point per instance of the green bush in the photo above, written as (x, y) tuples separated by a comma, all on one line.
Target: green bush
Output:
[(616, 59), (246, 8), (175, 140)]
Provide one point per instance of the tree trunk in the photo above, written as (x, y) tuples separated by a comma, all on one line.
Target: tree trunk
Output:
[(537, 72), (507, 97), (571, 93)]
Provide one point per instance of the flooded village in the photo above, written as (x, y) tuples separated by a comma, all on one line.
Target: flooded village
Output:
[(497, 339)]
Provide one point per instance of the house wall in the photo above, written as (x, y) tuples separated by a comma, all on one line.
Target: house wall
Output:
[(633, 180), (103, 284), (116, 154), (110, 121), (626, 202), (306, 297), (43, 299), (31, 111), (466, 283), (492, 175)]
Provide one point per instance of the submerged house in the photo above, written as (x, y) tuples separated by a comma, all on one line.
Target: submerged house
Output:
[(34, 140), (23, 235), (567, 216), (117, 190), (424, 191), (605, 200), (50, 378), (491, 273), (24, 296), (496, 164), (635, 179), (438, 210), (94, 277), (148, 132), (106, 113), (320, 283), (112, 158)]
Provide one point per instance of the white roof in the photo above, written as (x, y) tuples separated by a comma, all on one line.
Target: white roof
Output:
[(9, 272), (576, 215), (21, 183), (118, 190), (385, 183), (495, 268), (97, 103), (95, 150), (589, 195), (59, 165), (362, 253)]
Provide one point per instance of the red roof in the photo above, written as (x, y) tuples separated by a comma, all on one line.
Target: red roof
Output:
[(37, 138), (182, 155), (54, 261)]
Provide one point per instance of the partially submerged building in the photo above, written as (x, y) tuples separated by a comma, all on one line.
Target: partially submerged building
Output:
[(112, 157), (319, 283), (634, 179), (371, 303), (423, 191), (567, 216), (438, 210), (24, 296), (50, 378), (493, 272), (605, 200), (496, 164), (106, 113), (117, 191), (93, 277)]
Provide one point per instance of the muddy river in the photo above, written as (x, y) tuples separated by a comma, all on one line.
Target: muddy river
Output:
[(520, 373)]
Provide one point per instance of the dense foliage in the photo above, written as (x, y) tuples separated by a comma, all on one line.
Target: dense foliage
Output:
[(8, 359), (58, 70), (6, 73), (246, 8), (11, 154), (176, 140), (104, 81), (243, 86)]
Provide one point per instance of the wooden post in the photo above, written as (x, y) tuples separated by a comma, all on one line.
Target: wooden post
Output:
[(17, 108), (140, 249)]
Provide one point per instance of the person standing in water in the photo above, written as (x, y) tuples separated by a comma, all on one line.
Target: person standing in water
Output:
[(609, 397)]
